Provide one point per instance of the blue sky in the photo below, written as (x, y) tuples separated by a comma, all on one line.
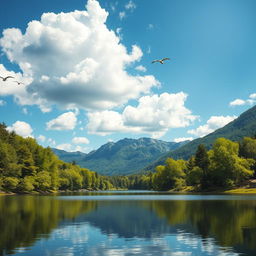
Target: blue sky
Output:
[(88, 77)]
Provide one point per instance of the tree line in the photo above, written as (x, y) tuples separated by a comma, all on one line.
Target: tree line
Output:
[(227, 165), (26, 166)]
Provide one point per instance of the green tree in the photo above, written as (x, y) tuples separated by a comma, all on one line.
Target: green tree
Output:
[(26, 184), (169, 176), (43, 181), (194, 176), (26, 161), (202, 161), (226, 167), (10, 183)]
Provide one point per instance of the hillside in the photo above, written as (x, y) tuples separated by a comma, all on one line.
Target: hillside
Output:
[(27, 167), (244, 125), (123, 157), (68, 156)]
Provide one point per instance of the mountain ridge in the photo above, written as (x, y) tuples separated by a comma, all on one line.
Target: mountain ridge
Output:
[(126, 156), (242, 126)]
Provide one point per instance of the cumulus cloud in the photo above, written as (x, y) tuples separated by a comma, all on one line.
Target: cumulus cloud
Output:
[(130, 5), (9, 87), (252, 96), (154, 115), (119, 33), (41, 138), (122, 15), (64, 146), (182, 139), (21, 128), (214, 123), (80, 140), (51, 142), (239, 102), (2, 102), (70, 148), (66, 121), (141, 68), (87, 70)]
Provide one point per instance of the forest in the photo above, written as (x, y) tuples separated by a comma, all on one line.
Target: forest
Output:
[(26, 167)]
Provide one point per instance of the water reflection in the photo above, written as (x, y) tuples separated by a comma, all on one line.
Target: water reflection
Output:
[(53, 226)]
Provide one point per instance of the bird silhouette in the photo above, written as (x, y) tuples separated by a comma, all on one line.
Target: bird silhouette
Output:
[(160, 61), (5, 78), (18, 82)]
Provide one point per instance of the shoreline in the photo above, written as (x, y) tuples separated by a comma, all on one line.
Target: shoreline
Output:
[(186, 190)]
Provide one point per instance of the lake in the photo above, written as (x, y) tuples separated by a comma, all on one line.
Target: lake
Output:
[(128, 223)]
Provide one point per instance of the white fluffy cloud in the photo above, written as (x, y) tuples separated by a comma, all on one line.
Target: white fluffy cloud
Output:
[(182, 139), (2, 102), (130, 5), (41, 138), (214, 123), (239, 102), (21, 128), (80, 140), (141, 68), (122, 15), (86, 70), (252, 96), (70, 148), (154, 115), (66, 121), (64, 146), (10, 87), (51, 142)]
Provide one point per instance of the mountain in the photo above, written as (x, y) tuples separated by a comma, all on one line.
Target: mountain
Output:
[(123, 157), (68, 156), (244, 125)]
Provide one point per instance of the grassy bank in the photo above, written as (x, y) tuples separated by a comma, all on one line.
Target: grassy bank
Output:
[(241, 191)]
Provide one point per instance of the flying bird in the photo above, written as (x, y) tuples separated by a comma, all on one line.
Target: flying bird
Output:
[(160, 61), (5, 78), (18, 82)]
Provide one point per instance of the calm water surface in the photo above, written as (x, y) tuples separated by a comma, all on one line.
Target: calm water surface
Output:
[(126, 224)]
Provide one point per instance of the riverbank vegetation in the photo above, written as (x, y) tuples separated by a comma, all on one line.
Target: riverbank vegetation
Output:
[(27, 167), (227, 165)]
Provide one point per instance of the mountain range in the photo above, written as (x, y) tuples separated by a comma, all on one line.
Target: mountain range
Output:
[(244, 125), (126, 156)]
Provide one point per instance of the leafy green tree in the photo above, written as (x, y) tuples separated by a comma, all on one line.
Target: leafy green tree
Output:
[(226, 167), (26, 161), (201, 157), (194, 176), (10, 183), (202, 161), (87, 178), (191, 163), (247, 148), (43, 181), (170, 175), (75, 179), (4, 160), (26, 184)]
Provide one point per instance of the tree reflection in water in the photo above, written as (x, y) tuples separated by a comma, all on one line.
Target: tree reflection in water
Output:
[(231, 223)]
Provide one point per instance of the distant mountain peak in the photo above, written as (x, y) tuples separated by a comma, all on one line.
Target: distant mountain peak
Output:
[(244, 125), (123, 157)]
